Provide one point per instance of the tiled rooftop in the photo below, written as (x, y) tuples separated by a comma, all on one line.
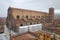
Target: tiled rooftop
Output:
[(26, 36)]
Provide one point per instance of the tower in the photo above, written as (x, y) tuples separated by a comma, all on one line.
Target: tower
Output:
[(51, 14)]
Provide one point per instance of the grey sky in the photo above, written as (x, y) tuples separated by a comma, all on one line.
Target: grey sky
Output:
[(43, 5)]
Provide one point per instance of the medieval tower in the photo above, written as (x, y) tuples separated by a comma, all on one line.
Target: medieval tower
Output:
[(51, 14)]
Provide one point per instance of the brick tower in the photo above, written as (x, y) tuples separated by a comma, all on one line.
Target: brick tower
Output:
[(51, 14)]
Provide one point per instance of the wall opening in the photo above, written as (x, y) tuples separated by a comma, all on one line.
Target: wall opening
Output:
[(18, 16), (27, 17), (30, 23), (21, 24), (37, 22), (33, 16)]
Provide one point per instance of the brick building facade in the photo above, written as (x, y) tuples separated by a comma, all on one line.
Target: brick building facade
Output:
[(22, 17)]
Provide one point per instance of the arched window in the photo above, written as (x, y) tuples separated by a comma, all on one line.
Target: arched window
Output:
[(21, 24), (27, 17), (30, 23), (33, 16), (37, 22), (18, 16)]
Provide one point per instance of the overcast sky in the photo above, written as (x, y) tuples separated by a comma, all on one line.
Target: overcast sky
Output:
[(42, 5)]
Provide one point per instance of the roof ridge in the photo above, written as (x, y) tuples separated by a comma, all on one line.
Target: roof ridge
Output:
[(27, 9)]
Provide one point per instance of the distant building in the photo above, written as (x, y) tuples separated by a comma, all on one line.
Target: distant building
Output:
[(1, 29), (2, 23)]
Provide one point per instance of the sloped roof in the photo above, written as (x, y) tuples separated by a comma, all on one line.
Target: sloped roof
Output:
[(26, 9), (26, 36)]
